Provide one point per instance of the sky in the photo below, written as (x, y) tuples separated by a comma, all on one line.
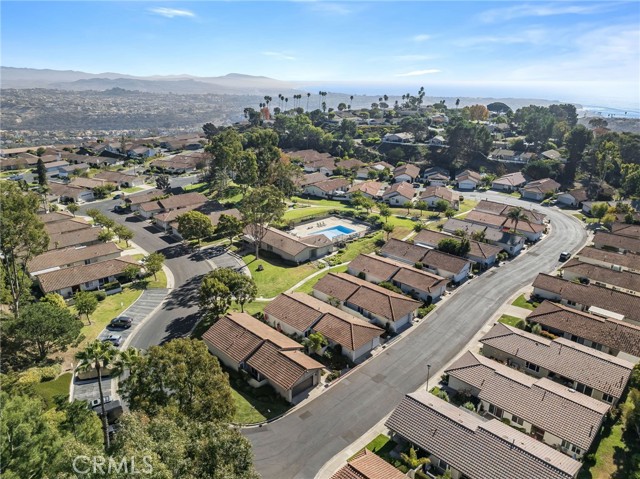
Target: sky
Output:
[(572, 51)]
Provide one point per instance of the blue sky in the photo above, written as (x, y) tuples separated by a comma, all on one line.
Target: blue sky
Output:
[(573, 51)]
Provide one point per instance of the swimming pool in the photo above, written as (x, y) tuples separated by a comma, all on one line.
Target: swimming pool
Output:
[(336, 231)]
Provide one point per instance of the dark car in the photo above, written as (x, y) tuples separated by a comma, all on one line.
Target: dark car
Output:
[(565, 255), (121, 322)]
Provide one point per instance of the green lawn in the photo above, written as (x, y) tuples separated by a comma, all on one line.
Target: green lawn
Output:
[(401, 226), (584, 218), (614, 453), (251, 308), (515, 194), (108, 309), (361, 246), (383, 445), (466, 206), (308, 286), (159, 282), (522, 302), (133, 189), (50, 389), (338, 205), (309, 212), (509, 320), (277, 276), (251, 409)]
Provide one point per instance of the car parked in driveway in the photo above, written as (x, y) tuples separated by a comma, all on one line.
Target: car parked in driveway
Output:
[(96, 402), (115, 339), (121, 322)]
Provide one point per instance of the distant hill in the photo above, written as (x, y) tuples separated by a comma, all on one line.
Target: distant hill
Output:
[(233, 83)]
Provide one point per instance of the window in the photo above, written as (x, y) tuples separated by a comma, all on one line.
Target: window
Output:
[(443, 465), (495, 411), (571, 303), (567, 446), (518, 420), (584, 389), (608, 398), (532, 367)]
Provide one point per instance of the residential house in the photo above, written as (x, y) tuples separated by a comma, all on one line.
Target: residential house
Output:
[(553, 155), (54, 168), (540, 189), (90, 183), (314, 161), (301, 314), (468, 180), (142, 152), (352, 164), (471, 447), (367, 465), (581, 368), (83, 237), (69, 193), (608, 335), (291, 248), (402, 137), (439, 119), (74, 169), (121, 179), (171, 221), (437, 141), (454, 268), (86, 277), (576, 270), (134, 201), (624, 229), (312, 178), (148, 209), (610, 259), (438, 179), (484, 254), (417, 283), (615, 242), (242, 342), (370, 189), (55, 216), (328, 188), (432, 194), (594, 299), (399, 194), (407, 172), (548, 411), (532, 231), (509, 182), (75, 256), (366, 300), (502, 209), (574, 197), (66, 226), (511, 243), (185, 201), (504, 155)]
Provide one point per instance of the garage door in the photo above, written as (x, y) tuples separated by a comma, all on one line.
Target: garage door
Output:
[(306, 384)]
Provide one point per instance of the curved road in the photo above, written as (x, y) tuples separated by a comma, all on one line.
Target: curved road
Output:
[(298, 445)]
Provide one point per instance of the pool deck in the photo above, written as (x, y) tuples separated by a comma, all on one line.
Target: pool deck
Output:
[(315, 227)]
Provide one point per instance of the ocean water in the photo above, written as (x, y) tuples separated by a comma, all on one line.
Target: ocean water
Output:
[(607, 112)]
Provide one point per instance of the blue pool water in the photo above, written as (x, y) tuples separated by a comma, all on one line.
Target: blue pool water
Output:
[(336, 231)]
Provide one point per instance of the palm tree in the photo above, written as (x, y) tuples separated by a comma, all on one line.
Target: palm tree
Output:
[(517, 215), (98, 355), (308, 96), (457, 103), (351, 100)]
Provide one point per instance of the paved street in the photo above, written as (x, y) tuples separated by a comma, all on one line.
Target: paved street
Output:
[(138, 311), (298, 445)]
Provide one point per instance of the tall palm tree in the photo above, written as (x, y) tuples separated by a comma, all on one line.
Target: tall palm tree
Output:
[(351, 100), (98, 355), (457, 103), (308, 96), (517, 215)]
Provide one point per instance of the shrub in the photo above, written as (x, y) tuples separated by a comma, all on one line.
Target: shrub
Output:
[(521, 324), (502, 256), (444, 379), (100, 295), (333, 375), (422, 312), (443, 395), (418, 266), (380, 242), (37, 375), (546, 334), (469, 405), (112, 285), (362, 275)]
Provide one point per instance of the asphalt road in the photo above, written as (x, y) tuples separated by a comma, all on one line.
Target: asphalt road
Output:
[(299, 444)]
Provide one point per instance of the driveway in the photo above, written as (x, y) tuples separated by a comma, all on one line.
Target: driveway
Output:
[(299, 444)]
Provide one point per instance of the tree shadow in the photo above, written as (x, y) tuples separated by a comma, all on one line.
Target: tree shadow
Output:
[(186, 296), (181, 327)]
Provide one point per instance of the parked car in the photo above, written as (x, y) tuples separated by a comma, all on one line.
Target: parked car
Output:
[(115, 339), (96, 402), (121, 322), (565, 255)]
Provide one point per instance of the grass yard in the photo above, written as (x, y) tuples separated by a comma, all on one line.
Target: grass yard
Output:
[(364, 245), (382, 446), (250, 409), (509, 320), (515, 194), (308, 286), (108, 309), (401, 226), (612, 459), (277, 276), (251, 308), (50, 389), (151, 283), (133, 189), (522, 302), (332, 204), (584, 218), (309, 212), (466, 206)]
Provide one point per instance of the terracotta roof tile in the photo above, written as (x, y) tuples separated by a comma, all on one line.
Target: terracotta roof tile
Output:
[(629, 260), (621, 279), (182, 201), (615, 241), (367, 465), (479, 449), (78, 237), (502, 209), (615, 334), (283, 368), (66, 226), (565, 358), (63, 257), (76, 275), (499, 221)]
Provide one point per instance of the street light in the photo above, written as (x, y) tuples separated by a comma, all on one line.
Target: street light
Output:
[(428, 375)]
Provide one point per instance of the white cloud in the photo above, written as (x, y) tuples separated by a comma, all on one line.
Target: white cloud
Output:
[(422, 37), (418, 73), (279, 55), (534, 36), (539, 10), (412, 58), (171, 12)]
